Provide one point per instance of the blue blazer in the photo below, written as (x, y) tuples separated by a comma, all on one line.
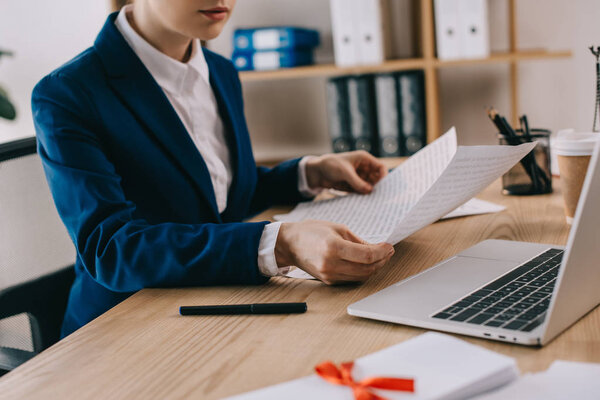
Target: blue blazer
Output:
[(133, 190)]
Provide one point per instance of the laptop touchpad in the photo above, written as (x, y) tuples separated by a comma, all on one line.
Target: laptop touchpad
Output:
[(443, 284)]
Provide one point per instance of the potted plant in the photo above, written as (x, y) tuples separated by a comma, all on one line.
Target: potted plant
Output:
[(7, 110)]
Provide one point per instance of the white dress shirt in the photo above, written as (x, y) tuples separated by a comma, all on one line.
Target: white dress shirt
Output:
[(188, 89)]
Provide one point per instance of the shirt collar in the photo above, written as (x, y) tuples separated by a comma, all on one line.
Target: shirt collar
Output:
[(169, 73)]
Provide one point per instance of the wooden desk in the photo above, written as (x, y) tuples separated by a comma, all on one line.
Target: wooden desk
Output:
[(142, 349)]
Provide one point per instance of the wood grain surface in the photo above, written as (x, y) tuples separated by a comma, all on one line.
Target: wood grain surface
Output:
[(142, 348)]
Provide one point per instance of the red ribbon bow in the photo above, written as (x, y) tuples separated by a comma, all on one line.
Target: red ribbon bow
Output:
[(328, 371)]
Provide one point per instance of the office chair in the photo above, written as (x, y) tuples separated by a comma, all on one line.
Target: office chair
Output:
[(36, 257)]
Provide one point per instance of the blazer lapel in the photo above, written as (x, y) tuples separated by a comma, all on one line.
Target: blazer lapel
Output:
[(232, 134), (140, 92)]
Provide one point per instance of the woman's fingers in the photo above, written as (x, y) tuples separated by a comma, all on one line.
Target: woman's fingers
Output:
[(370, 168), (329, 252), (347, 234), (357, 183), (363, 253), (346, 271)]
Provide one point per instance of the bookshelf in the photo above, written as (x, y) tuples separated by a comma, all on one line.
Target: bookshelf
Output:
[(428, 63)]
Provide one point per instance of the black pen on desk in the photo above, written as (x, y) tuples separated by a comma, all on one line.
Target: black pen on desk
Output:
[(240, 309)]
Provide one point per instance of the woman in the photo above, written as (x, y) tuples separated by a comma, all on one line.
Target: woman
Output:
[(147, 153)]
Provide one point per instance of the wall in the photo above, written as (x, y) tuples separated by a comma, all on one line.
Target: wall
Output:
[(43, 35)]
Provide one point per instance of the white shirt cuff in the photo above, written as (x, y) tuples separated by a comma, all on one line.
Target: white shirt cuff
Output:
[(303, 187), (267, 264)]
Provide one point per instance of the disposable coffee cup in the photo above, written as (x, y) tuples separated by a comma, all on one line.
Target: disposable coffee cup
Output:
[(574, 151)]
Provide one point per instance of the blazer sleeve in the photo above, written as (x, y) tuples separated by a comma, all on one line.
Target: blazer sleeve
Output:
[(122, 252), (277, 186)]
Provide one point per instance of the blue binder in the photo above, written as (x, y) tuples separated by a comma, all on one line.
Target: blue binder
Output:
[(267, 60), (274, 38)]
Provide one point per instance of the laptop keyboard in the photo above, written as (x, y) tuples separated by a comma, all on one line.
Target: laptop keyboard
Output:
[(517, 300)]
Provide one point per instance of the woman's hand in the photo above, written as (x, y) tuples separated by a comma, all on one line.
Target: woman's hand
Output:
[(329, 252), (356, 171)]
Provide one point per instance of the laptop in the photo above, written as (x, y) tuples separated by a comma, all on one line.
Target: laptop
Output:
[(511, 291)]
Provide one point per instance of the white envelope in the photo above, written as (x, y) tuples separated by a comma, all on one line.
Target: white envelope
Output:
[(442, 366)]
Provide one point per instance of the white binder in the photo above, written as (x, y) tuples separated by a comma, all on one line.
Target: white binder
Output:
[(344, 32), (474, 28), (447, 32), (372, 30)]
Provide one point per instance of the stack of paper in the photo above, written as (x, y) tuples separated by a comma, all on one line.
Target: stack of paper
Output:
[(563, 380), (429, 185), (443, 368)]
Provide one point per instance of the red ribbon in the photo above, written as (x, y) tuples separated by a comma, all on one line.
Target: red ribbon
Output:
[(343, 376)]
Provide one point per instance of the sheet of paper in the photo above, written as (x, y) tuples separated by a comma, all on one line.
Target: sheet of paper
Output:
[(372, 217), (563, 380), (433, 182), (430, 359), (299, 274), (474, 207), (471, 170)]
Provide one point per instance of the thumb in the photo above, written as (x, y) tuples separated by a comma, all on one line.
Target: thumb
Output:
[(356, 182)]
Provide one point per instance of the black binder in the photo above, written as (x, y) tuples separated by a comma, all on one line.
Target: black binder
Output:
[(412, 110), (363, 123), (337, 113), (390, 140)]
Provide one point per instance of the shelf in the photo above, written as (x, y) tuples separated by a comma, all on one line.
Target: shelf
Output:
[(507, 57), (322, 70), (329, 70)]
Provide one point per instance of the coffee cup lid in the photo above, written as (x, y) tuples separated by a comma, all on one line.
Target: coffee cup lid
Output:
[(570, 143)]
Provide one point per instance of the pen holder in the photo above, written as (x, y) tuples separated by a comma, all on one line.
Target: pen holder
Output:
[(532, 174)]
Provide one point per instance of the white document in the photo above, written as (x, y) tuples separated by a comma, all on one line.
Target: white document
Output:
[(474, 29), (447, 32), (426, 187), (442, 366), (563, 380), (371, 40), (344, 32), (474, 207), (298, 273)]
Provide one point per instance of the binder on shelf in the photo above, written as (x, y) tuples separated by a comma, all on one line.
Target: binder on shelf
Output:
[(447, 31), (363, 125), (345, 35), (388, 116), (412, 110), (269, 60), (461, 29), (373, 30), (474, 28), (337, 113), (275, 38)]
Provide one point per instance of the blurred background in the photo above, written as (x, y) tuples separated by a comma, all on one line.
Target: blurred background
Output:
[(288, 117)]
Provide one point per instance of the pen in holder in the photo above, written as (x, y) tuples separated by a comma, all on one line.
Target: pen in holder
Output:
[(532, 175)]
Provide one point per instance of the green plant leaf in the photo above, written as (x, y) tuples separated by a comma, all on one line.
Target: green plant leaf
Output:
[(7, 110)]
